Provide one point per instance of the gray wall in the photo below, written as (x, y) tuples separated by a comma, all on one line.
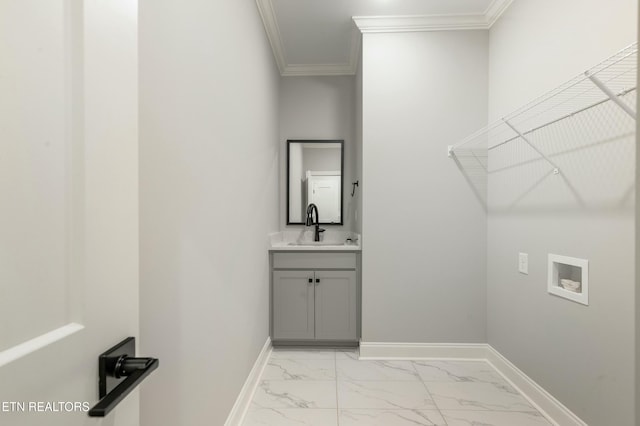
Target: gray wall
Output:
[(209, 196), (424, 231), (318, 159), (582, 355), (637, 275), (318, 108), (358, 149), (637, 262)]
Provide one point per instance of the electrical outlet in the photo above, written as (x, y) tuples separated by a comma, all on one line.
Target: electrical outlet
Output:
[(523, 263)]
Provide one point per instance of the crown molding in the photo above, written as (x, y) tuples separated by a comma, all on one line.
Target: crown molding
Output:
[(298, 70), (374, 24), (495, 10), (273, 32), (411, 23)]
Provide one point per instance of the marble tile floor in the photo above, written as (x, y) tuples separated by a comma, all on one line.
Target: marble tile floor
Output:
[(333, 388)]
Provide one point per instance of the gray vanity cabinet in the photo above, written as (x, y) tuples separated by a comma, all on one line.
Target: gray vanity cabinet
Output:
[(314, 298), (335, 306), (293, 305)]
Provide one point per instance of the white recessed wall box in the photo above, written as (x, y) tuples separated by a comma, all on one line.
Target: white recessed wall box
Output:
[(569, 278)]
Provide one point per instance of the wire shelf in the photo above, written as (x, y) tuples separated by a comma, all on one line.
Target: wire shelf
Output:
[(611, 82)]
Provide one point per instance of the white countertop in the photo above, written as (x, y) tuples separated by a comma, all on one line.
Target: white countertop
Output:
[(303, 241)]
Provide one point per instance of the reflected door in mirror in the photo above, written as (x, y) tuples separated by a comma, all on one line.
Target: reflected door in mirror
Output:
[(324, 192)]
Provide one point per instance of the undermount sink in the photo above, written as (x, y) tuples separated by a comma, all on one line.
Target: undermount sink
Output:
[(317, 243)]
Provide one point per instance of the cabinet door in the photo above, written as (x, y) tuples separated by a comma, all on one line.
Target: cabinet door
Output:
[(293, 307), (335, 305)]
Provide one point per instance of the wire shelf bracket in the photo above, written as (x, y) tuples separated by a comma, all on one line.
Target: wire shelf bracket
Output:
[(626, 108), (556, 169)]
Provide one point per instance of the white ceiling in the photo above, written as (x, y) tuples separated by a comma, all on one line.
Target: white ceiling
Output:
[(322, 37)]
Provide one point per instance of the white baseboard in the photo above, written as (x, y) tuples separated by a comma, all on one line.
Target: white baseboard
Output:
[(550, 407), (371, 350), (236, 416)]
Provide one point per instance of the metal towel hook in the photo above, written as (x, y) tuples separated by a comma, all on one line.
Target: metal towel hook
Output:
[(353, 187)]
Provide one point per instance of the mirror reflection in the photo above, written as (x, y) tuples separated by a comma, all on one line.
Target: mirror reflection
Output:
[(314, 176)]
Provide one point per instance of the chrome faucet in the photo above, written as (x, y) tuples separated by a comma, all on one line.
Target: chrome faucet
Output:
[(310, 210)]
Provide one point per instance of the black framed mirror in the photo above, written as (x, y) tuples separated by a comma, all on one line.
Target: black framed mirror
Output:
[(315, 170)]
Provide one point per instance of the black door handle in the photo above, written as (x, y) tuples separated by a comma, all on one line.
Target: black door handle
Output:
[(310, 280), (317, 280), (124, 366), (113, 398), (115, 364)]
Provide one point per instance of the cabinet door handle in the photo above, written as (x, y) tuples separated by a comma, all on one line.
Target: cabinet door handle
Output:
[(317, 280), (310, 280)]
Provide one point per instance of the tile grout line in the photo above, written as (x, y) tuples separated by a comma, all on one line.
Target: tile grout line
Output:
[(413, 364)]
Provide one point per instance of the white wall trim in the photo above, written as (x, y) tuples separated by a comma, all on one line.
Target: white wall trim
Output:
[(295, 70), (495, 10), (273, 32), (374, 24), (556, 412), (549, 406), (375, 350), (236, 416), (412, 23)]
